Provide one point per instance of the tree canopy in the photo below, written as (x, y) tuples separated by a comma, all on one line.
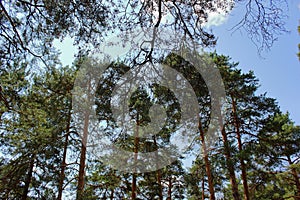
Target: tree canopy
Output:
[(255, 156), (30, 26)]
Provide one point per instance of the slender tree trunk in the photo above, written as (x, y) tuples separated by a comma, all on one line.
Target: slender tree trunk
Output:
[(170, 189), (28, 178), (112, 194), (133, 187), (159, 184), (63, 165), (80, 187), (230, 165), (158, 174), (203, 187), (240, 147), (207, 163), (81, 176), (136, 150), (229, 161), (296, 177)]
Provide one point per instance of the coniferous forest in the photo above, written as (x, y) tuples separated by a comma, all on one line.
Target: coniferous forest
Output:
[(46, 128)]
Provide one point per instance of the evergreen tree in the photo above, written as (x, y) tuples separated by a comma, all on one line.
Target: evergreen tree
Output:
[(280, 141), (42, 143)]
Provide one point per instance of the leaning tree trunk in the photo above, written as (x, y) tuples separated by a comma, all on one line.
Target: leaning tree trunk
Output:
[(240, 147)]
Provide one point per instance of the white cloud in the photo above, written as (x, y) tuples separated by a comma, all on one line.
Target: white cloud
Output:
[(216, 19), (220, 16)]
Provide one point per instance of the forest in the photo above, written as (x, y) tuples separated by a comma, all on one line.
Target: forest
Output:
[(59, 132)]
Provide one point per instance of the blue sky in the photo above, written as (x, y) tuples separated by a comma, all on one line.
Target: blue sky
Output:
[(278, 71)]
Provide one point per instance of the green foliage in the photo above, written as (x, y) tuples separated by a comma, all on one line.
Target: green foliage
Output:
[(41, 143), (35, 120), (31, 130)]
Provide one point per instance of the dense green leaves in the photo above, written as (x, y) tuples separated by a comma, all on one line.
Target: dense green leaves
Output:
[(40, 143)]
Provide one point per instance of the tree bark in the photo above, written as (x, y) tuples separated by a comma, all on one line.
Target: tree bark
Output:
[(112, 194), (170, 189), (228, 158), (240, 147), (203, 187), (296, 177), (81, 175), (133, 187), (158, 174), (136, 150), (232, 177), (207, 163), (63, 165), (28, 178)]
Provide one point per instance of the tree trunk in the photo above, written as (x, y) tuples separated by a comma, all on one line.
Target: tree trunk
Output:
[(133, 187), (112, 194), (203, 187), (296, 177), (207, 163), (240, 147), (232, 177), (229, 162), (158, 174), (87, 112), (170, 189), (28, 178), (136, 150), (63, 164), (80, 187)]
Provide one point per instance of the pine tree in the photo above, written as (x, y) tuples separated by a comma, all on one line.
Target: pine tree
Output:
[(280, 139)]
